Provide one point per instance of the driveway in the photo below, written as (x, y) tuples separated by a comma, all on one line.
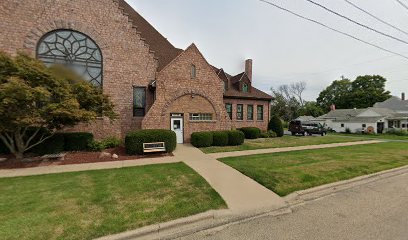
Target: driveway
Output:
[(377, 210)]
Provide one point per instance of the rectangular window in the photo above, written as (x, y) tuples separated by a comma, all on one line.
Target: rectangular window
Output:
[(139, 101), (260, 113), (228, 107), (201, 116), (250, 112), (342, 125), (364, 125), (240, 110), (193, 71)]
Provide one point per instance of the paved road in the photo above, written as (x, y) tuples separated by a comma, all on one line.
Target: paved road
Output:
[(377, 211)]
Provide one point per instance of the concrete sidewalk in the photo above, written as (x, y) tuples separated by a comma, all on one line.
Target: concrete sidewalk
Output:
[(84, 167), (242, 194), (289, 149)]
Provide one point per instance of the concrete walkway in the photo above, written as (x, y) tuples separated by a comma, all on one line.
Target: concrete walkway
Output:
[(289, 149), (241, 193), (84, 167)]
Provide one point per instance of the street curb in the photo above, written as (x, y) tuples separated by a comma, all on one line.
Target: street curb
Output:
[(217, 218), (157, 228), (303, 196)]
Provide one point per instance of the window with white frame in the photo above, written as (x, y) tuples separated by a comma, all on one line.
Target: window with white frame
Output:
[(201, 116)]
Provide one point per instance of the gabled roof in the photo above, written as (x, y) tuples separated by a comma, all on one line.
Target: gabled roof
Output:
[(394, 103), (163, 49), (166, 52)]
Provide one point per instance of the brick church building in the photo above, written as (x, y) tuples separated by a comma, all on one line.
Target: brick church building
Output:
[(152, 83)]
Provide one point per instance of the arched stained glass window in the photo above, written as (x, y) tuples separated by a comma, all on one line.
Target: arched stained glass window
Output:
[(74, 50)]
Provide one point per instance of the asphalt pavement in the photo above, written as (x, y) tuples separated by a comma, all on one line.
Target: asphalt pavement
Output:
[(377, 211)]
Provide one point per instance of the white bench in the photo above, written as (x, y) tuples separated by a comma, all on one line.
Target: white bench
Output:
[(154, 147)]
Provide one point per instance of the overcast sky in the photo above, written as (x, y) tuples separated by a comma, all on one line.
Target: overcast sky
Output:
[(284, 48)]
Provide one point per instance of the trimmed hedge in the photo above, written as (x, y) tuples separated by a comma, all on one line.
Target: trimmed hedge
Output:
[(77, 141), (202, 139), (134, 140), (235, 138), (220, 138), (55, 144), (276, 125), (251, 132)]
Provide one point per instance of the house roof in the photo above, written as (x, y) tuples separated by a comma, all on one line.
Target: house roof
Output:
[(165, 52), (343, 113), (306, 118), (163, 49), (394, 103)]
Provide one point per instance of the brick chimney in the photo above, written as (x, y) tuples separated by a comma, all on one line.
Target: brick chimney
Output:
[(403, 96), (248, 68), (332, 107)]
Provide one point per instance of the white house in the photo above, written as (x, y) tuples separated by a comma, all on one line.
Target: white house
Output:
[(390, 114)]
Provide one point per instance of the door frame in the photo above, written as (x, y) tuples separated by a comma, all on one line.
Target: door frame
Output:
[(177, 116)]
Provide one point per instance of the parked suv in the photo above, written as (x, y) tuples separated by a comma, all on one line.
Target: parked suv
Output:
[(309, 128)]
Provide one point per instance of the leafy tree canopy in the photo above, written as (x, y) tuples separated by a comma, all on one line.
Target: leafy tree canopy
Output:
[(363, 92), (34, 97)]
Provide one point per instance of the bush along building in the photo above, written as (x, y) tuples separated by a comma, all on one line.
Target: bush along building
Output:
[(153, 84)]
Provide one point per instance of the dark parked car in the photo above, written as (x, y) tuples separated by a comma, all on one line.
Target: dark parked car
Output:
[(309, 128)]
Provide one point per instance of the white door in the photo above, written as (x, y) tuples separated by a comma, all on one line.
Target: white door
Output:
[(177, 127)]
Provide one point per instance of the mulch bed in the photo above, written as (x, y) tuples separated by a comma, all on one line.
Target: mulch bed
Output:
[(74, 158)]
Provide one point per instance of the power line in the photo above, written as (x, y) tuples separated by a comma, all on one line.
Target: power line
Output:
[(355, 22), (333, 29), (402, 4), (375, 17)]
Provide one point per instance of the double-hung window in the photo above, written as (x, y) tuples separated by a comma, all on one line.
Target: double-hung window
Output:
[(250, 112), (228, 107), (139, 101), (240, 112), (260, 113)]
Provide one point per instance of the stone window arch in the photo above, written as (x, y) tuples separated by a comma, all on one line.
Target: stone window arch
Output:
[(74, 50)]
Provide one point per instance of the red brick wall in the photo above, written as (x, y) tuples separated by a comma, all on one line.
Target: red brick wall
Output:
[(263, 125), (127, 59), (178, 93)]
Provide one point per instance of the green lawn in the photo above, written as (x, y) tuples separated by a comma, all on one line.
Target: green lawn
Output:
[(374, 136), (285, 141), (285, 173), (86, 205)]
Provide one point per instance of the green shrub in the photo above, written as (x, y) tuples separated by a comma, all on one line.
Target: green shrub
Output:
[(285, 124), (264, 135), (55, 144), (110, 142), (275, 124), (134, 140), (348, 131), (220, 138), (96, 146), (272, 134), (77, 141), (397, 132), (202, 139), (251, 132), (235, 138)]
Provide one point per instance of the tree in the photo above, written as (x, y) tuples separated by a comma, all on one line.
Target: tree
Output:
[(36, 101), (275, 124), (297, 89), (288, 100), (311, 109), (363, 92), (337, 93), (368, 90)]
